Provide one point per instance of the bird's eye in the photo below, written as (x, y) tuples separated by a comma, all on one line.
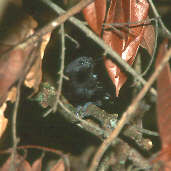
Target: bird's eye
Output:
[(95, 76), (84, 60), (106, 97)]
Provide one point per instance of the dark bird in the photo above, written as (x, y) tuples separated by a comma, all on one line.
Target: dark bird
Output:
[(84, 85)]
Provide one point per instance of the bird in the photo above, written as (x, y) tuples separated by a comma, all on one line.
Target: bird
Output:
[(84, 85)]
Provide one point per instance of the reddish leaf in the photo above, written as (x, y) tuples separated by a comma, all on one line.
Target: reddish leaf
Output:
[(20, 164), (124, 41), (94, 14), (19, 27), (164, 98), (10, 70), (148, 41), (164, 108)]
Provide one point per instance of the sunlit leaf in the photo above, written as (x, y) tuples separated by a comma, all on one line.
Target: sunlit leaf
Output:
[(124, 39)]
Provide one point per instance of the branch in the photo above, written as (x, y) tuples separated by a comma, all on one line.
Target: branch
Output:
[(69, 114), (105, 119), (166, 31), (128, 114), (49, 27), (14, 128), (61, 72), (60, 82)]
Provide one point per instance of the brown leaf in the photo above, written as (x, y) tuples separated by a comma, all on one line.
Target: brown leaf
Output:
[(10, 70), (124, 41), (164, 108), (20, 164), (94, 14), (148, 40), (19, 26), (164, 98), (34, 77)]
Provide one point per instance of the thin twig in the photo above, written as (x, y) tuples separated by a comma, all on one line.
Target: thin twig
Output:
[(101, 43), (27, 65), (14, 127), (167, 32), (146, 131), (154, 49), (128, 113), (132, 24), (73, 40), (61, 72), (60, 82)]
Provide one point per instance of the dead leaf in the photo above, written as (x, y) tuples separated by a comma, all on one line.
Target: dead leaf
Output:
[(34, 77), (164, 109), (164, 98), (148, 40), (17, 26), (125, 41), (20, 164), (95, 14), (23, 165)]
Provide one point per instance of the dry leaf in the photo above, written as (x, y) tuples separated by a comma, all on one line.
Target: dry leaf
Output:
[(19, 26), (125, 41), (164, 98), (164, 109), (34, 77), (20, 163), (148, 40)]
